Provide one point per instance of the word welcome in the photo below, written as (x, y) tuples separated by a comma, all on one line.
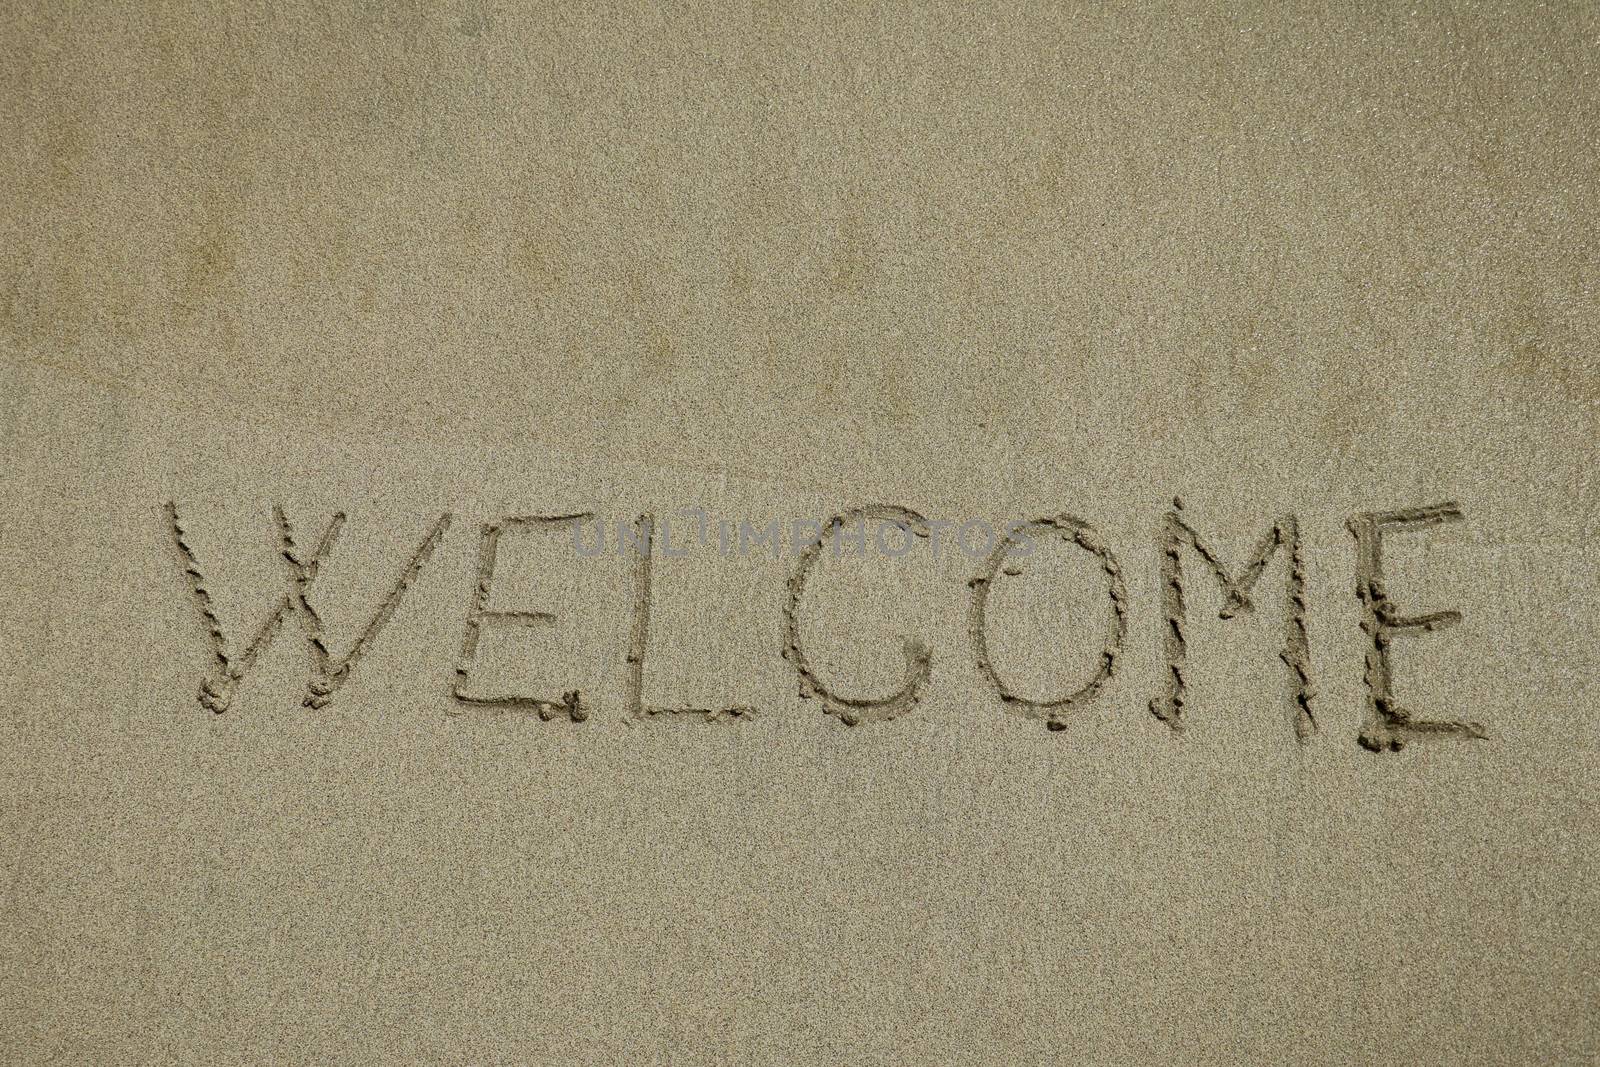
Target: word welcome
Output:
[(1387, 726)]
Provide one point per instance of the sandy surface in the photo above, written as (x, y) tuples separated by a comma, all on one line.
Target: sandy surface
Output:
[(979, 262)]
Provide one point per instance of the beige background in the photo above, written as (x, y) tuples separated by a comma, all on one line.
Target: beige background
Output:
[(977, 260)]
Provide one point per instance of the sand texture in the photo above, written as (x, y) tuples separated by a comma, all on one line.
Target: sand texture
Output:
[(1215, 390)]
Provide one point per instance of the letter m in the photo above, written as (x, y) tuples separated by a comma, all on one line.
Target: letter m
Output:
[(1176, 535)]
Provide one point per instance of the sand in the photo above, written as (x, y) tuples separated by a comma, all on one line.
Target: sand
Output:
[(429, 783)]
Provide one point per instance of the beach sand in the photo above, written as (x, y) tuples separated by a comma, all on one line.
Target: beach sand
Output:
[(763, 263)]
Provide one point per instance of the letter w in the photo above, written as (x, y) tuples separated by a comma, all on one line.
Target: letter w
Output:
[(218, 688)]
